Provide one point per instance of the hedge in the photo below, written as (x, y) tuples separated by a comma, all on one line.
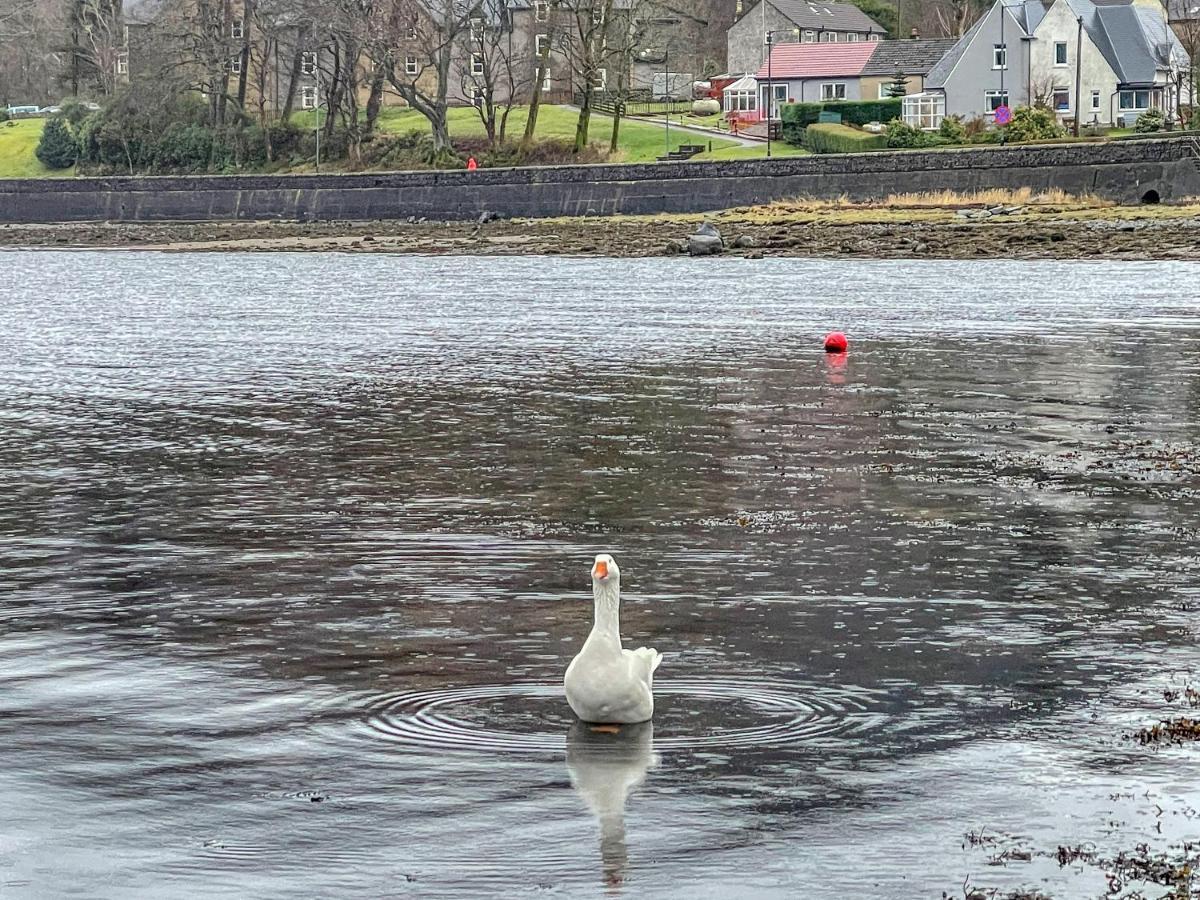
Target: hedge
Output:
[(797, 117), (827, 138)]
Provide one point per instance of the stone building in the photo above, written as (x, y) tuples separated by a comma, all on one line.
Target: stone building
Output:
[(794, 21)]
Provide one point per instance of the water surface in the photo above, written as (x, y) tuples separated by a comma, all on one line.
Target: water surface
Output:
[(296, 548)]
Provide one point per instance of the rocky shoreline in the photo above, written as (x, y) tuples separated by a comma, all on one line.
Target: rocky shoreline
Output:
[(874, 232)]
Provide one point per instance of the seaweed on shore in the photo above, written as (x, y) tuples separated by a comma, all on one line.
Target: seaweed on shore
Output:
[(1170, 731)]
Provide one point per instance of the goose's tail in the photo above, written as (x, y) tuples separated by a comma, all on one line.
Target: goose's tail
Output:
[(652, 657)]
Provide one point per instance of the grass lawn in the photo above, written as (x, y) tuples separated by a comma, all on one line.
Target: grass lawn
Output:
[(18, 139), (638, 141), (759, 151)]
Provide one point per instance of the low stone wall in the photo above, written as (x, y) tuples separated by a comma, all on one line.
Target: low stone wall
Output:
[(1125, 171)]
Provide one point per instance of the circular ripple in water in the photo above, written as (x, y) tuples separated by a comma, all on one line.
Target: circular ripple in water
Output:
[(690, 714)]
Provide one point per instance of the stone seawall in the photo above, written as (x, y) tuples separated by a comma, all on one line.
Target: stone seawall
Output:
[(1125, 171)]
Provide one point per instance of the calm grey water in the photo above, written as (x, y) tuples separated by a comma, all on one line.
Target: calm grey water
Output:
[(295, 549)]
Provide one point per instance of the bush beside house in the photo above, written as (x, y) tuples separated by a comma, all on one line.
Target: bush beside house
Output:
[(826, 137), (1150, 121), (798, 116)]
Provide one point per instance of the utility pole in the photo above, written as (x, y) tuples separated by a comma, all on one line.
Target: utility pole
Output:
[(1078, 70)]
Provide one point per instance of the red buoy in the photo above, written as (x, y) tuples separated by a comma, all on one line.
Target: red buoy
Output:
[(835, 342)]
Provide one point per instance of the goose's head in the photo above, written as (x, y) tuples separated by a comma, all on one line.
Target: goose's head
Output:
[(605, 572)]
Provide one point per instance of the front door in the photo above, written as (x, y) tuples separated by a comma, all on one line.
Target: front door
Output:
[(778, 94)]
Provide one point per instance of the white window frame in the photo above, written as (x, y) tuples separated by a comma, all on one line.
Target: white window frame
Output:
[(476, 31), (874, 37), (411, 33), (924, 111), (547, 81), (1132, 94), (235, 65), (810, 37), (999, 56), (1095, 101), (478, 64), (541, 11), (989, 96), (1054, 103), (122, 63), (308, 63), (833, 89), (884, 87), (826, 37), (540, 41), (308, 97), (1065, 54), (601, 80), (851, 37), (597, 16), (237, 29), (410, 65)]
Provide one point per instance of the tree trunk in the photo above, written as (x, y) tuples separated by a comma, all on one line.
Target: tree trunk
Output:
[(375, 100), (616, 129), (583, 123), (289, 100), (244, 75), (535, 103), (336, 86)]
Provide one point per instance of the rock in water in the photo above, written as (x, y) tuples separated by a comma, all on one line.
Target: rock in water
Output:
[(706, 241)]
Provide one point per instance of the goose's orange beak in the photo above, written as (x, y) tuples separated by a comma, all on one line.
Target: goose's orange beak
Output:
[(601, 569)]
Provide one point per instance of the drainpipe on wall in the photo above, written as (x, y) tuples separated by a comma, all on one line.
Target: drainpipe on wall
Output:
[(1112, 103), (1029, 69)]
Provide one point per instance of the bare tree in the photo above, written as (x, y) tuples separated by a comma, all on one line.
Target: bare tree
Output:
[(413, 43), (583, 42), (497, 68), (542, 54), (96, 41)]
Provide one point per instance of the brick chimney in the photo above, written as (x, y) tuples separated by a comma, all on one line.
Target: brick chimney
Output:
[(914, 34)]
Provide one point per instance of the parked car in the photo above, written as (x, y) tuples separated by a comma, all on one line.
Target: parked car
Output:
[(15, 111), (50, 110)]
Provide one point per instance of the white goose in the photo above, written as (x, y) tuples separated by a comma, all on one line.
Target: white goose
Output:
[(605, 683)]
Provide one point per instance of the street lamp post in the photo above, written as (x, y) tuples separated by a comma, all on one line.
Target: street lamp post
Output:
[(667, 91), (770, 94), (317, 108), (770, 84)]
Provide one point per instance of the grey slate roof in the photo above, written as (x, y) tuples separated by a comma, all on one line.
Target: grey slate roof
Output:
[(829, 16), (941, 71), (1135, 40), (909, 57)]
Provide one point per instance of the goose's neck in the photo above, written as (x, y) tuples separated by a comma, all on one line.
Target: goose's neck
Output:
[(607, 596)]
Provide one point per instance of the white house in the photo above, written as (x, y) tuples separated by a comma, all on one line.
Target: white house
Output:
[(1020, 53)]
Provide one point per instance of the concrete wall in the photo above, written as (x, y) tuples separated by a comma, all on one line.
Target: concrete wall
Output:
[(1120, 170)]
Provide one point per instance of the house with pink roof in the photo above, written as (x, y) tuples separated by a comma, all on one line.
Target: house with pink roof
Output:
[(811, 73)]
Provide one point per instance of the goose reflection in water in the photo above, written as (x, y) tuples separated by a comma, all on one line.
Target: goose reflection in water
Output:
[(606, 763)]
